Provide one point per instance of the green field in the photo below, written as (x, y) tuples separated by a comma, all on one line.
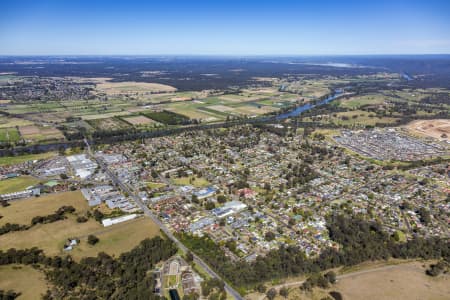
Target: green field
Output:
[(11, 160), (191, 180), (17, 184), (167, 117), (359, 101)]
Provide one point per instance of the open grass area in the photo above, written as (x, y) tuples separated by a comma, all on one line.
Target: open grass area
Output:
[(9, 135), (6, 122), (51, 237), (17, 184), (23, 279), (112, 88), (11, 160), (191, 180), (23, 210), (118, 238), (358, 101), (155, 185)]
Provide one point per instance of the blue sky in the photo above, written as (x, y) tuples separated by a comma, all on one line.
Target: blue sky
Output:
[(224, 27)]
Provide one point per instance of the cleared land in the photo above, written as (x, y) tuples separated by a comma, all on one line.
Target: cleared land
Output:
[(24, 279), (438, 129), (22, 211), (139, 120), (17, 184), (33, 132), (401, 282), (51, 237), (376, 280), (112, 88), (192, 180), (11, 160), (109, 124)]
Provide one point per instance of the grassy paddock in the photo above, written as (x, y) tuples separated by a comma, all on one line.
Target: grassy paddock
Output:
[(17, 184), (24, 279), (11, 160)]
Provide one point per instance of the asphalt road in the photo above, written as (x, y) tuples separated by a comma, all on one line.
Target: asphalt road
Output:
[(155, 219)]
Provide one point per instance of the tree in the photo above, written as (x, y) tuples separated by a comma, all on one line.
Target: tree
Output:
[(92, 239), (284, 292), (221, 199), (189, 257), (270, 236), (271, 294), (261, 288), (331, 277)]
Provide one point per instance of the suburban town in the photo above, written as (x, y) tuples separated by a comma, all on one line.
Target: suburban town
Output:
[(225, 150)]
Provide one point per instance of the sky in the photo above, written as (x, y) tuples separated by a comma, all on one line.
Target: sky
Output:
[(216, 27)]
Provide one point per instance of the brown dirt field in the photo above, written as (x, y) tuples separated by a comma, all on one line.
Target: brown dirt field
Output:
[(139, 120), (22, 211), (112, 88), (221, 108), (34, 132), (50, 237), (29, 129), (406, 281), (24, 279), (431, 128)]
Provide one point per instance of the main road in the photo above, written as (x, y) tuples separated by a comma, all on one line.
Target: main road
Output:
[(125, 188)]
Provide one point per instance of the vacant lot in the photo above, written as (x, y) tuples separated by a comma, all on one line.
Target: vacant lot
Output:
[(358, 101), (12, 122), (108, 124), (191, 180), (17, 184), (373, 281), (22, 211), (11, 160), (406, 281), (37, 133), (128, 87), (438, 129), (51, 237), (138, 120), (118, 238), (24, 279)]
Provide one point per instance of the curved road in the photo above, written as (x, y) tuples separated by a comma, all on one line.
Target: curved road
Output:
[(163, 227)]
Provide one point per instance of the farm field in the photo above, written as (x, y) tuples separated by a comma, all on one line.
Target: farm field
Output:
[(109, 124), (51, 237), (112, 88), (438, 129), (24, 279), (138, 120), (8, 122), (358, 101), (11, 160), (37, 133), (17, 184), (9, 135)]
